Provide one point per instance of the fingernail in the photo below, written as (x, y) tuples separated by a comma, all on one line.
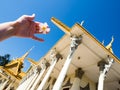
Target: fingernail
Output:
[(33, 14)]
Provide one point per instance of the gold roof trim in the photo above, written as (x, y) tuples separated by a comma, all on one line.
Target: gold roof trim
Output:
[(67, 30), (93, 38)]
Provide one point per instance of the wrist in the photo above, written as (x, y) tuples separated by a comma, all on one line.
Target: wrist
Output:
[(14, 27), (7, 30)]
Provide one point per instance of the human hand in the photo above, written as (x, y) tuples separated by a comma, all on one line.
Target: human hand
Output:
[(26, 27)]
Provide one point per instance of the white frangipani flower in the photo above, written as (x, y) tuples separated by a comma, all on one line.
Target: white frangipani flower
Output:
[(44, 28)]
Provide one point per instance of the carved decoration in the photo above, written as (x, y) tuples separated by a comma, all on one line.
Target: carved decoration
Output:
[(79, 73), (87, 87), (101, 65)]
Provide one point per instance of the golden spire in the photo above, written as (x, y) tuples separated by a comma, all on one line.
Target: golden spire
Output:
[(15, 66), (109, 46), (25, 55)]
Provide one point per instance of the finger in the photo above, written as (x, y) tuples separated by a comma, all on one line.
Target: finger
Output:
[(37, 32), (37, 27), (31, 17), (37, 22), (38, 39)]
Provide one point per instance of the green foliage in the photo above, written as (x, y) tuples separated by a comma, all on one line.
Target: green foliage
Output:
[(4, 59)]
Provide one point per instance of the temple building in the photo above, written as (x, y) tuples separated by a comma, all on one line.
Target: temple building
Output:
[(11, 73), (78, 61)]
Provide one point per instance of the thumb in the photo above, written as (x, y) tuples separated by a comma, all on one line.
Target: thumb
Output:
[(31, 17)]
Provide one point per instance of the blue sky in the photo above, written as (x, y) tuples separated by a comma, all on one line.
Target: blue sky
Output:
[(101, 19)]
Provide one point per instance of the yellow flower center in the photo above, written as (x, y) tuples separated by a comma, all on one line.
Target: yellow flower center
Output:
[(43, 28)]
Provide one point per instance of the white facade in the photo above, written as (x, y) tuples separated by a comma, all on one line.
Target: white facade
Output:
[(75, 64)]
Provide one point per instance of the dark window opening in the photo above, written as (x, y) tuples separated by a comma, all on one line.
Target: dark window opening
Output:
[(66, 89)]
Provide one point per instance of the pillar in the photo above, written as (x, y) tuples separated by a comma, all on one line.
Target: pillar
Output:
[(36, 72), (43, 68), (75, 41), (76, 83), (54, 56), (10, 85), (4, 84), (30, 76), (104, 68)]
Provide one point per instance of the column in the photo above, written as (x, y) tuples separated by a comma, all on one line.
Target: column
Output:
[(10, 85), (75, 41), (54, 56), (27, 81), (1, 79), (76, 83), (104, 68), (36, 72), (43, 66), (4, 84)]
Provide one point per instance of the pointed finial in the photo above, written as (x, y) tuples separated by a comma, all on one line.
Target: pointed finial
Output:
[(109, 46), (103, 42), (31, 48), (26, 54), (82, 23)]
